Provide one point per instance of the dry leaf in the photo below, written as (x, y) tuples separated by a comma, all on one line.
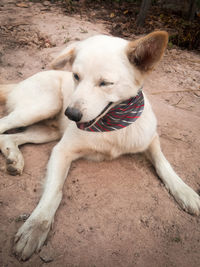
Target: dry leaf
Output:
[(22, 5), (112, 15), (125, 12)]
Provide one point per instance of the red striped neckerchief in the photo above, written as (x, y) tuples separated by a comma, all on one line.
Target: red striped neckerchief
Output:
[(117, 117)]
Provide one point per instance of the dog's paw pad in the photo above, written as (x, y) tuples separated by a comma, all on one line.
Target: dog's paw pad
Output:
[(15, 166), (10, 161), (13, 170)]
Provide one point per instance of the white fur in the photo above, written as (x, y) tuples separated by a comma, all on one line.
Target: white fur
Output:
[(46, 95)]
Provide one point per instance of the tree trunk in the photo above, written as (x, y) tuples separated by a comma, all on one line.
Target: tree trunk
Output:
[(143, 12), (192, 9)]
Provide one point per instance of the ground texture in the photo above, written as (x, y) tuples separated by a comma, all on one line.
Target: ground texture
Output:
[(114, 213)]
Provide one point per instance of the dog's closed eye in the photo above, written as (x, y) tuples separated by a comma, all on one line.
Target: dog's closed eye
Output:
[(105, 83)]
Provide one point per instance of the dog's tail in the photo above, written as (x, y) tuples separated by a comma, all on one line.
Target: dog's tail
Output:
[(5, 89)]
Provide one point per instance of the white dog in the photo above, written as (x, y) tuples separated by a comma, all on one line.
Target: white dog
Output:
[(108, 115)]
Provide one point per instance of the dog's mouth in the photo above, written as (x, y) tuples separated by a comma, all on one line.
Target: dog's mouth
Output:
[(84, 125)]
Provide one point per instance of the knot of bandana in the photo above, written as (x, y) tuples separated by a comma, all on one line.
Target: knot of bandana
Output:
[(118, 117)]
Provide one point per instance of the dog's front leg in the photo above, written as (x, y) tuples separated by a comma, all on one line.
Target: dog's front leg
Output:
[(32, 234), (186, 197)]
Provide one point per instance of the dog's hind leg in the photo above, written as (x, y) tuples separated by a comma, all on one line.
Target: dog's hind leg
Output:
[(9, 144), (22, 118), (32, 100), (186, 197)]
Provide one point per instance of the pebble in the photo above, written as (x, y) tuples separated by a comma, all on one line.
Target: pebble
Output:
[(46, 3)]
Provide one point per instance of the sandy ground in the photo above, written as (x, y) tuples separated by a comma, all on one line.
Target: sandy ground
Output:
[(114, 213)]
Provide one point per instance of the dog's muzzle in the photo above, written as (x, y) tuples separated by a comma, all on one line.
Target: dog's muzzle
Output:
[(73, 114), (116, 116)]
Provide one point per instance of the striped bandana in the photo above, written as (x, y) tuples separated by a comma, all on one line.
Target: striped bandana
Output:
[(118, 117)]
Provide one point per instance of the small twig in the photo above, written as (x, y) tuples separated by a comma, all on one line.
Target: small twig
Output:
[(177, 91), (196, 94), (176, 104), (14, 24), (187, 109)]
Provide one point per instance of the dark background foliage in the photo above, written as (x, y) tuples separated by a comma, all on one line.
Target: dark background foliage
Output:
[(181, 18)]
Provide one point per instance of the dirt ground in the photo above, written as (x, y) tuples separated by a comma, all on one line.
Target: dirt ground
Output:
[(115, 213)]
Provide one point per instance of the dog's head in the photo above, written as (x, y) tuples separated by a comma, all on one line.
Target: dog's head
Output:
[(108, 69)]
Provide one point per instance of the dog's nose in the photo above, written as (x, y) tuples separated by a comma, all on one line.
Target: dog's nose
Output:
[(73, 114)]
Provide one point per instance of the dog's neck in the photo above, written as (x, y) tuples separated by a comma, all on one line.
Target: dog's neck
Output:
[(118, 116)]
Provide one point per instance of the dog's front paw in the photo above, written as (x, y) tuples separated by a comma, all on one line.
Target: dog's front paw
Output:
[(30, 237), (188, 199)]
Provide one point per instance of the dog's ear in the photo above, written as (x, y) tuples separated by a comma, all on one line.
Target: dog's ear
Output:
[(145, 52), (67, 56)]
